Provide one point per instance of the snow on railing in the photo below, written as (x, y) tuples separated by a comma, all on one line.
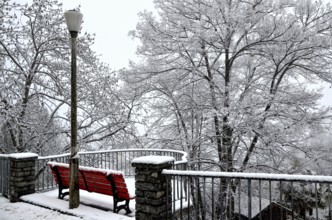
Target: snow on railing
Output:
[(231, 195), (253, 176)]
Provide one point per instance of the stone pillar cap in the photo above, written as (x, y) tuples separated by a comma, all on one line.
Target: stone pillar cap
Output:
[(156, 160), (22, 155)]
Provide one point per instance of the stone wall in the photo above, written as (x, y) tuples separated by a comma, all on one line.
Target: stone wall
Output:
[(153, 190), (22, 175)]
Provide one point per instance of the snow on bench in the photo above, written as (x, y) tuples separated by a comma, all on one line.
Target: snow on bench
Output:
[(103, 181)]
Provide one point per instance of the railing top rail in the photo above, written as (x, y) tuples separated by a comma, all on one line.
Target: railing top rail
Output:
[(53, 156), (133, 149), (183, 158), (255, 176)]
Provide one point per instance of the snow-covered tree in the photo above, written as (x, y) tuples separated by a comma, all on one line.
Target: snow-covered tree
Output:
[(233, 77), (230, 82), (35, 83)]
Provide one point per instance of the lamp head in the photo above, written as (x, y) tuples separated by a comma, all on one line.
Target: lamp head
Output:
[(73, 20)]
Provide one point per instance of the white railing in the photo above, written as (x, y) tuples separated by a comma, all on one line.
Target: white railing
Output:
[(227, 195)]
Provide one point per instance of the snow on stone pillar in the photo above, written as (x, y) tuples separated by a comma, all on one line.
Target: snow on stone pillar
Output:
[(22, 175), (153, 190)]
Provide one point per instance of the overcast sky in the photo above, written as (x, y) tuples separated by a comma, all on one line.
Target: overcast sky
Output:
[(111, 21)]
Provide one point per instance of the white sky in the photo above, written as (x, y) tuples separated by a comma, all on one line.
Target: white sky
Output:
[(111, 21)]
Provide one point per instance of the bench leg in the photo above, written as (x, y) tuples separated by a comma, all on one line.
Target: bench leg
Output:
[(64, 194), (125, 207), (115, 204), (61, 194)]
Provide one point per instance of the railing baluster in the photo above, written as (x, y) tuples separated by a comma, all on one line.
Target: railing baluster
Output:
[(316, 202), (329, 199), (239, 202), (212, 210), (260, 198), (1, 175), (103, 160), (292, 199), (178, 187), (249, 198), (126, 162), (106, 160), (38, 179), (47, 179), (230, 197), (270, 197), (167, 196), (197, 195), (173, 194), (43, 180), (122, 159), (204, 197), (280, 199), (181, 196), (189, 184), (117, 160), (221, 197)]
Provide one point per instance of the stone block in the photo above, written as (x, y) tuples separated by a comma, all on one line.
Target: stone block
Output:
[(142, 216), (155, 195), (148, 216), (152, 187), (139, 193), (20, 164), (156, 202), (154, 180), (140, 178), (19, 173), (23, 184), (156, 174), (141, 200), (144, 172)]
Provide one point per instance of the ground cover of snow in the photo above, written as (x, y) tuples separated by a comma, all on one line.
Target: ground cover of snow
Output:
[(40, 206)]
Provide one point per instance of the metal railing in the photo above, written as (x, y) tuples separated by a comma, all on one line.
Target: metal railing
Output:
[(111, 159), (4, 174), (44, 179), (220, 195)]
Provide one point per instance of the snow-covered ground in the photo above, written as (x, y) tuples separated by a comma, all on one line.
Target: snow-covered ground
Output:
[(23, 211), (40, 206), (57, 209)]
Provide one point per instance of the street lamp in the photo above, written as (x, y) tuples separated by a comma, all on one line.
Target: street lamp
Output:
[(73, 20)]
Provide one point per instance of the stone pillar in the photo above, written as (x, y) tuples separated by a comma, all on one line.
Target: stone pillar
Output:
[(22, 175), (153, 190)]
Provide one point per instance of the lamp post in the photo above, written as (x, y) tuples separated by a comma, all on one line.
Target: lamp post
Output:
[(73, 20)]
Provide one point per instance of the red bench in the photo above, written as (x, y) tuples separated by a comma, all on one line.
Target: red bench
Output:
[(103, 181)]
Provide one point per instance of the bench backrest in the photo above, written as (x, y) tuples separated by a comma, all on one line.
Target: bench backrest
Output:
[(93, 180), (61, 175)]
